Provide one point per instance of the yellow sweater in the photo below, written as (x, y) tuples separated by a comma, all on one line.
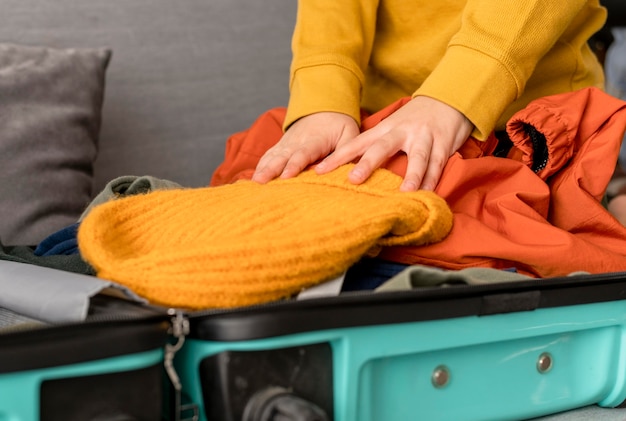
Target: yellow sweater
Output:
[(486, 59)]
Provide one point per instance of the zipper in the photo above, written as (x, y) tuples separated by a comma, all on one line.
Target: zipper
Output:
[(179, 329)]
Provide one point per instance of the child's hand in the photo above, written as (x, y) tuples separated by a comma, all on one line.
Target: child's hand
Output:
[(308, 140), (427, 130)]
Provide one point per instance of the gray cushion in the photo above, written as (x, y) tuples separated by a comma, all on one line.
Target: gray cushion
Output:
[(50, 112)]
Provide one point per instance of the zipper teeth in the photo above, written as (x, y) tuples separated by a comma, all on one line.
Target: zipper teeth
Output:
[(360, 297), (435, 292), (25, 327), (540, 148), (148, 314)]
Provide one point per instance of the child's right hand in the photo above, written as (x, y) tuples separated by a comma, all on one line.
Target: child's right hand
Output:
[(427, 130), (307, 141)]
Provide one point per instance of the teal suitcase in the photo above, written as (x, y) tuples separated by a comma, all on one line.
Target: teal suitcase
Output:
[(108, 367), (507, 351), (503, 351)]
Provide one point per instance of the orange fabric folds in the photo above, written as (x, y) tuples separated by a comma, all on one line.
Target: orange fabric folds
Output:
[(536, 207)]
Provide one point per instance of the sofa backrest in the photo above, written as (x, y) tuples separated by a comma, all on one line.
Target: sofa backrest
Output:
[(184, 74)]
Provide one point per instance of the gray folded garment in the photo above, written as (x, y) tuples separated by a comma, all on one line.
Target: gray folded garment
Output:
[(129, 185), (417, 276)]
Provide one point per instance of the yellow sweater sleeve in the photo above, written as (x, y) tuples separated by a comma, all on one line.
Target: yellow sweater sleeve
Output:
[(476, 56), (495, 52), (331, 46)]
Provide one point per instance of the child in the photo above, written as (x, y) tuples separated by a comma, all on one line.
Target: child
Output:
[(467, 64)]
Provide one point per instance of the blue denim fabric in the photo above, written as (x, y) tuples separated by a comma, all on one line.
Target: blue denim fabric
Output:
[(62, 242), (368, 274)]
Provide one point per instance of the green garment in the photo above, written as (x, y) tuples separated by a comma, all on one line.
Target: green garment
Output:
[(417, 276)]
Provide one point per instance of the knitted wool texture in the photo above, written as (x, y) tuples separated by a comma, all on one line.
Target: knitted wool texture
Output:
[(247, 243)]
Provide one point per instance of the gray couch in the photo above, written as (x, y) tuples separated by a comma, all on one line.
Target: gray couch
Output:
[(183, 76)]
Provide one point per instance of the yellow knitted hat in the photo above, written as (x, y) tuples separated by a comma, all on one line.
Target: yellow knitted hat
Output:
[(247, 243)]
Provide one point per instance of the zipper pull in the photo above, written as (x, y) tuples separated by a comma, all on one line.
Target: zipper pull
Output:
[(179, 330)]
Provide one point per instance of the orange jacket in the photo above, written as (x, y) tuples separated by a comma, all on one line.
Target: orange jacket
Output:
[(547, 222)]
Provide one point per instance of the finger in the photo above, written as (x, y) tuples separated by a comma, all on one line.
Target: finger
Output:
[(417, 165), (436, 162), (270, 166), (297, 163), (346, 152), (374, 157)]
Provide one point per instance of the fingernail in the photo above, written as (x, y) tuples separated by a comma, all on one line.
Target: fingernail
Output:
[(408, 186), (321, 166), (259, 176), (356, 175)]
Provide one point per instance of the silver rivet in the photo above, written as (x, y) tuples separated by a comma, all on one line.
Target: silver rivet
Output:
[(441, 376), (544, 363)]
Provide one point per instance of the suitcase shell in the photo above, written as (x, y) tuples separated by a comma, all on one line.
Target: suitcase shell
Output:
[(109, 367), (501, 351), (494, 352)]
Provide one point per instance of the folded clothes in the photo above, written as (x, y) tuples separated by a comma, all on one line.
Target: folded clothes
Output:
[(62, 242), (247, 243), (129, 185)]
